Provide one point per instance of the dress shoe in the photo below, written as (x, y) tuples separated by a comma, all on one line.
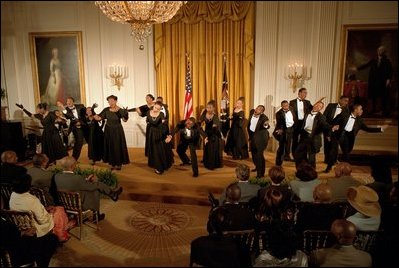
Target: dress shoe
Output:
[(327, 170), (115, 194), (100, 216), (195, 175), (118, 167), (185, 164), (289, 159), (158, 172), (253, 170)]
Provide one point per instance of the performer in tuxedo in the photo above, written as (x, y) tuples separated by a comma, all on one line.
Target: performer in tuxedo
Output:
[(314, 124), (77, 114), (331, 146), (258, 138), (189, 137), (283, 132), (349, 126), (300, 107)]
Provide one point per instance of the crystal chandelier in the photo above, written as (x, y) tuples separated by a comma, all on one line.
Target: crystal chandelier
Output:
[(141, 15)]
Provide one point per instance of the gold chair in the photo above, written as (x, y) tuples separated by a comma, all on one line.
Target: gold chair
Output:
[(39, 193), (72, 203), (22, 219), (315, 239), (5, 191), (245, 237)]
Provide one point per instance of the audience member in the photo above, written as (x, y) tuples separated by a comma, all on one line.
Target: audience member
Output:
[(24, 247), (217, 250), (41, 177), (305, 182), (365, 201), (283, 248), (9, 168), (248, 190), (89, 188), (343, 254), (277, 175), (342, 181), (381, 172), (240, 218), (48, 221), (322, 193)]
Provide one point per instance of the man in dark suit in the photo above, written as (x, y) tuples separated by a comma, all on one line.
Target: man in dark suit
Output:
[(89, 188), (331, 146), (349, 126), (77, 114), (285, 120), (300, 106), (10, 171), (189, 137), (314, 124), (258, 138)]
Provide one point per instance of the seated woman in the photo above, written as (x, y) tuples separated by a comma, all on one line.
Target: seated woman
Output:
[(283, 246), (48, 221), (305, 182)]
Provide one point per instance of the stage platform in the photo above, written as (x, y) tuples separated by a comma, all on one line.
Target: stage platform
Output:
[(177, 185)]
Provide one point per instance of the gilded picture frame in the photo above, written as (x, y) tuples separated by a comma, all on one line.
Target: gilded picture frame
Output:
[(57, 66), (359, 72)]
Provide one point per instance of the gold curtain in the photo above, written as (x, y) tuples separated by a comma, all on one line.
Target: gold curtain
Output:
[(205, 30)]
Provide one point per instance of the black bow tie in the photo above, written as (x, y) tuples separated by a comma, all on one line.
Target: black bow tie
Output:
[(300, 100), (312, 113), (74, 108), (353, 117), (338, 107), (286, 111)]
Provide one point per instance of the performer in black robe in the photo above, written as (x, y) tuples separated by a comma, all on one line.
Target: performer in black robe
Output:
[(236, 144), (94, 136), (213, 149), (160, 155), (115, 148)]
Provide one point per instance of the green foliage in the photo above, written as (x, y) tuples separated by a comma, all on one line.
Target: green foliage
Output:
[(262, 182), (105, 176)]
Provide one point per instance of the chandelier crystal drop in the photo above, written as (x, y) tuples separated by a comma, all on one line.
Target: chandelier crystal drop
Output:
[(141, 15)]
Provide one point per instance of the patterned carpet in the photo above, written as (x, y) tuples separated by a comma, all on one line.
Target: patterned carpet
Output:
[(136, 234)]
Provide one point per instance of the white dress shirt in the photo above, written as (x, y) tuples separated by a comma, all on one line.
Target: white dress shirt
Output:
[(338, 110), (188, 132), (289, 119), (309, 122), (74, 112), (254, 122), (350, 123), (43, 220), (163, 111), (301, 112)]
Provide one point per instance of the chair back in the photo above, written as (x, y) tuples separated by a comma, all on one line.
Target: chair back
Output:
[(70, 200), (368, 240), (315, 239), (39, 193), (214, 202), (244, 237), (5, 191), (22, 219)]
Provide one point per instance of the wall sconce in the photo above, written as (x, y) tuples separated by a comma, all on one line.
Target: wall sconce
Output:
[(117, 73), (296, 73)]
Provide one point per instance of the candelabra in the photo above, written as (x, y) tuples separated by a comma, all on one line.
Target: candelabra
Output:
[(117, 73), (296, 73)]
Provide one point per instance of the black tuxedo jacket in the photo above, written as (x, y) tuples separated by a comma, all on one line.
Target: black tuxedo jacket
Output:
[(81, 109), (307, 107), (280, 123), (329, 112), (320, 126), (196, 131), (260, 137), (342, 120)]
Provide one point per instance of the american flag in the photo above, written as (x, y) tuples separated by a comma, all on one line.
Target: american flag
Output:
[(188, 100), (224, 118)]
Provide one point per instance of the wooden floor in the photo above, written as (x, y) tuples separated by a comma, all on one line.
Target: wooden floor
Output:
[(177, 185)]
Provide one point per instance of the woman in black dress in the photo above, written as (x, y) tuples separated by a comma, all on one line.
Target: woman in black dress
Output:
[(115, 148), (51, 140), (236, 144), (213, 149), (94, 136), (160, 156)]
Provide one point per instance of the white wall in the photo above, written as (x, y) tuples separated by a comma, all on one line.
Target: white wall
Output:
[(308, 32), (104, 43)]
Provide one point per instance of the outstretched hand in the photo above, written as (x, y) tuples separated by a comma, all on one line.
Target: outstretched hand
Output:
[(206, 140), (20, 106), (95, 105)]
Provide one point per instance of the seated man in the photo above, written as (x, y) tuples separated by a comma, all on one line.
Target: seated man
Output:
[(89, 188), (9, 168), (343, 254), (248, 190), (342, 181), (240, 218), (216, 250), (41, 177)]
